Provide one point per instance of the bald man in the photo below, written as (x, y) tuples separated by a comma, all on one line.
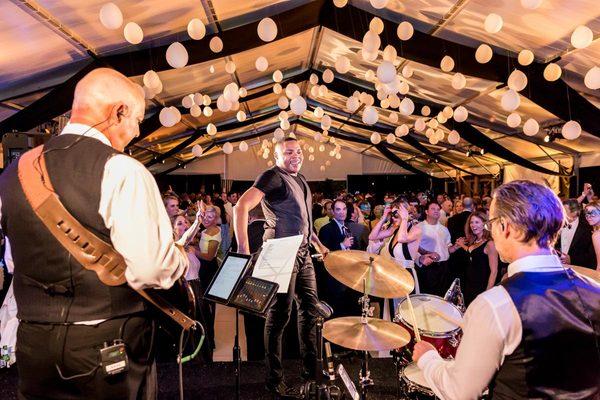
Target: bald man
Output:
[(67, 315)]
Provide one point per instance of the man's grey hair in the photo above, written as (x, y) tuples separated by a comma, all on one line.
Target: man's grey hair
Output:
[(531, 207)]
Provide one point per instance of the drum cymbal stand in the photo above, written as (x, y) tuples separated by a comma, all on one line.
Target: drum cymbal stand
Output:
[(364, 375)]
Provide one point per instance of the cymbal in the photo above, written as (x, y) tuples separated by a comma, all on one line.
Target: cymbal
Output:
[(590, 273), (385, 279), (375, 335)]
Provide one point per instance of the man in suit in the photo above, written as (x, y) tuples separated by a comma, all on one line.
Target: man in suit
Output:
[(575, 241)]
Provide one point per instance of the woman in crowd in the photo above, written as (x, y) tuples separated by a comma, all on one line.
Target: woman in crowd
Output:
[(592, 216), (481, 267), (458, 207)]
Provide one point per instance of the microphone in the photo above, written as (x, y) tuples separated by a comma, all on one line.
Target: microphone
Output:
[(324, 309), (329, 361)]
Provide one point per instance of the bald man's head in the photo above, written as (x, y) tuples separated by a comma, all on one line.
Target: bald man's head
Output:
[(111, 103)]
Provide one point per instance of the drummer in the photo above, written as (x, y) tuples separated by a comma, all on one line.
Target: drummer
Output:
[(558, 356)]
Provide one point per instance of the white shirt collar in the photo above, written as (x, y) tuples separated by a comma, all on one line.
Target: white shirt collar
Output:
[(573, 224), (340, 224), (85, 130), (536, 263)]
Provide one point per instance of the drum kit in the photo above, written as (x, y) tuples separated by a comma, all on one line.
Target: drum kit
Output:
[(418, 317)]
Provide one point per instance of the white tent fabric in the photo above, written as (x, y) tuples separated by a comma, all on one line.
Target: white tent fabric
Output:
[(516, 172)]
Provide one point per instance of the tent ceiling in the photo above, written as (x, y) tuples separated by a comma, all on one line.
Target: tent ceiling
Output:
[(37, 55)]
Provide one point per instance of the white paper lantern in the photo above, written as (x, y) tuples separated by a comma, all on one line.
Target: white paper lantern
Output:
[(196, 29), (277, 76), (592, 78), (493, 23), (386, 72), (582, 37), (298, 105), (207, 111), (328, 76), (187, 101), (376, 25), (571, 130), (420, 125), (206, 100), (441, 118), (370, 115), (425, 111), (195, 111), (261, 64), (378, 4), (395, 100), (371, 42), (390, 53), (314, 79), (285, 124), (278, 134), (517, 80), (525, 57), (407, 107), (231, 92), (552, 72), (111, 16), (177, 55), (429, 133), (211, 69), (407, 71), (215, 44), (211, 129), (197, 150), (342, 65), (340, 3), (267, 30), (483, 54), (283, 102), (433, 140), (439, 134), (510, 100), (453, 137), (243, 147), (230, 67), (241, 116), (531, 127), (460, 114), (513, 120), (402, 130), (227, 148), (405, 30), (283, 115), (323, 90), (385, 103), (133, 33), (169, 116), (390, 138), (531, 4), (318, 112), (151, 79), (447, 64), (277, 89), (433, 123), (243, 92), (352, 104), (375, 138), (448, 112), (459, 81), (326, 122), (223, 104), (393, 118), (292, 90)]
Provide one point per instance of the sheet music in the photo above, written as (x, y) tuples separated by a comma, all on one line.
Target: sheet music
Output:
[(276, 261)]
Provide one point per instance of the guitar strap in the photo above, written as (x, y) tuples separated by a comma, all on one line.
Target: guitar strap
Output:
[(88, 249)]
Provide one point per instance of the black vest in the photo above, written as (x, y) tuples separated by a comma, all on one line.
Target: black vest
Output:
[(50, 286), (558, 356), (291, 215)]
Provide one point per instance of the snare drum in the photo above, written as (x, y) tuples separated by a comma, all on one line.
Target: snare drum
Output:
[(442, 334), (413, 384)]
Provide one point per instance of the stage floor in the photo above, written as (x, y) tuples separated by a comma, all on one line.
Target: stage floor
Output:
[(216, 381)]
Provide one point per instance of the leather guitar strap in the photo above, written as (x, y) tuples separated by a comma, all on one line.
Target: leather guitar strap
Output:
[(88, 249)]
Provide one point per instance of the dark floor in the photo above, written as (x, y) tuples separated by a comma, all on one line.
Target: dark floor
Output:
[(217, 382)]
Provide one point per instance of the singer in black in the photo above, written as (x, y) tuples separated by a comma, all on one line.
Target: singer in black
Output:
[(287, 203)]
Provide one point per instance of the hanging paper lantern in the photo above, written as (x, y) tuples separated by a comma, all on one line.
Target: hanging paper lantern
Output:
[(386, 72), (111, 16), (318, 112), (283, 115), (196, 29), (323, 90), (461, 114), (433, 123), (227, 148), (197, 150), (151, 79), (215, 44), (352, 104), (169, 116), (177, 55), (390, 53), (292, 90), (531, 4), (376, 25), (378, 4), (206, 100), (187, 101), (328, 76), (483, 54), (298, 105), (459, 81), (314, 79), (342, 65), (441, 118), (425, 111), (525, 57), (370, 115), (243, 147), (371, 42), (243, 92), (420, 125), (325, 122), (447, 64), (453, 137), (493, 23), (552, 72), (582, 37), (261, 64), (207, 111), (448, 112), (405, 30), (385, 103), (433, 140), (390, 138), (571, 130), (241, 116), (510, 100), (402, 130), (211, 69), (277, 76), (395, 100), (231, 92), (230, 67), (278, 134), (133, 33), (211, 129), (513, 120), (277, 89), (407, 71), (393, 118), (222, 104), (439, 134), (283, 102), (517, 80), (407, 107), (592, 78), (429, 133), (198, 99), (375, 138), (267, 30), (340, 3), (531, 127), (195, 111)]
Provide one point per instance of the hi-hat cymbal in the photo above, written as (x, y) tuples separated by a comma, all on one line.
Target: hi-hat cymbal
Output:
[(375, 335), (590, 273), (385, 278)]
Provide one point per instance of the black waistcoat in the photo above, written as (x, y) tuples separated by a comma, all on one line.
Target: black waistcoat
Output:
[(49, 285), (558, 356), (291, 215)]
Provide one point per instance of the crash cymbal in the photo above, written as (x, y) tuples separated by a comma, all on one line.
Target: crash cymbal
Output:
[(375, 335), (385, 278), (590, 273)]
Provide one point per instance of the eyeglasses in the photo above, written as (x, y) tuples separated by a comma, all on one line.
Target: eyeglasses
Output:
[(592, 213), (488, 225)]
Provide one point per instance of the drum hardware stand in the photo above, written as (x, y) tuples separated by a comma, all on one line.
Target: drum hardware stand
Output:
[(364, 375), (237, 355)]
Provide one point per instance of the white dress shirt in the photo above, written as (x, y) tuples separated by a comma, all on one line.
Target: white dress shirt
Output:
[(435, 238), (492, 330), (132, 210), (341, 226), (566, 235)]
